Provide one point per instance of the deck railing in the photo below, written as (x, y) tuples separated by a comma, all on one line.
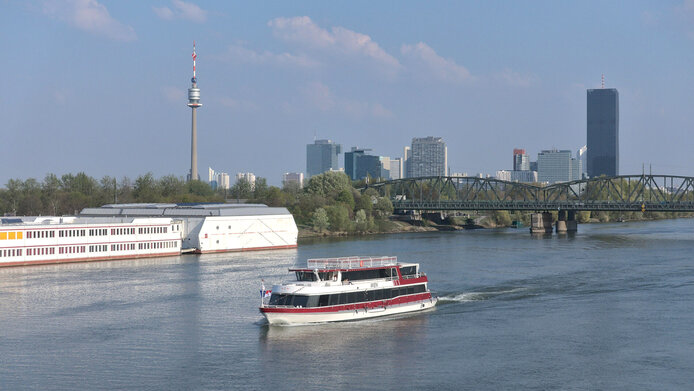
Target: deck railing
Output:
[(350, 262)]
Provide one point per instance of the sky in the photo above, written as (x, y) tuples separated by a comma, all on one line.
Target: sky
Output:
[(100, 86)]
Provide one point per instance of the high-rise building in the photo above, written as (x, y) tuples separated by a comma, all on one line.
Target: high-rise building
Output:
[(321, 156), (293, 177), (429, 157), (217, 179), (603, 132), (557, 166), (396, 168), (351, 161), (248, 176), (581, 155), (406, 155), (521, 162)]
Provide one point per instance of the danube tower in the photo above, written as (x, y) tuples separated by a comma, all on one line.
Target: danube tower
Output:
[(194, 103)]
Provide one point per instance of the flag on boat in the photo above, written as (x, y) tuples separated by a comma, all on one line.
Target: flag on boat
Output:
[(264, 293)]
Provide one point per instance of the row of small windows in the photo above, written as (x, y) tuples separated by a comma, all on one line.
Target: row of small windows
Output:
[(71, 249), (11, 253), (10, 235), (82, 249), (40, 234), (155, 245), (122, 246), (344, 298), (40, 251), (152, 230), (68, 233), (122, 231)]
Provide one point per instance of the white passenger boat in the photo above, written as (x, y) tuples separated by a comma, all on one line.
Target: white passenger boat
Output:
[(27, 241), (344, 289)]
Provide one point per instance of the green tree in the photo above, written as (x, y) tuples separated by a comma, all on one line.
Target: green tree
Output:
[(146, 189), (241, 189), (329, 183), (338, 216), (383, 208), (261, 189), (361, 221), (320, 220)]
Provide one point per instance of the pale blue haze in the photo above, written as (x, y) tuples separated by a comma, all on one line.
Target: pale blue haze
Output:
[(100, 86)]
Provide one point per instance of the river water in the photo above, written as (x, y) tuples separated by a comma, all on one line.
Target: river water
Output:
[(610, 308)]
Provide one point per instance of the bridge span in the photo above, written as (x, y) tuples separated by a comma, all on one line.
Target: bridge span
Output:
[(654, 193)]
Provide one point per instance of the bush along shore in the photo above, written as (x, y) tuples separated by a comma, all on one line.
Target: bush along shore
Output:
[(329, 205)]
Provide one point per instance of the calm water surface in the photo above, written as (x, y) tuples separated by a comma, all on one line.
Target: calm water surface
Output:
[(610, 308)]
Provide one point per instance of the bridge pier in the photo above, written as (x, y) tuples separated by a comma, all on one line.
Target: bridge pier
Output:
[(541, 223), (566, 222)]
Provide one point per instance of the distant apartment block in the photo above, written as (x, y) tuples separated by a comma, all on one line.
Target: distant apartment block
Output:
[(248, 176), (603, 132), (293, 178), (218, 179), (428, 157), (525, 176), (557, 166), (322, 156)]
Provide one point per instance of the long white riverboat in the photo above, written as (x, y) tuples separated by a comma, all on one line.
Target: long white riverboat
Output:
[(345, 289), (27, 241)]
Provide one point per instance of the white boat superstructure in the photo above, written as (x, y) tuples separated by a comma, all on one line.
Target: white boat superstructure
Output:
[(26, 241), (350, 288)]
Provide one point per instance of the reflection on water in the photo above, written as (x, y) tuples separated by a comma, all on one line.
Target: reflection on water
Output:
[(605, 308)]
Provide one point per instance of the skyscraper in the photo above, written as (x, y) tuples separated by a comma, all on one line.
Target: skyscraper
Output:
[(603, 132), (351, 158), (557, 166), (321, 156), (429, 157), (520, 160)]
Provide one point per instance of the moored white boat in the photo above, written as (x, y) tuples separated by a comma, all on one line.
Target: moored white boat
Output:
[(345, 289)]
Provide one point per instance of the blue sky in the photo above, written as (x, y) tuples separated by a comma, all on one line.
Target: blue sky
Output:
[(100, 86)]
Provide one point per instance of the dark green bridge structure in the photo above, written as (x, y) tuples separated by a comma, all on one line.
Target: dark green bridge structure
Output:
[(654, 193)]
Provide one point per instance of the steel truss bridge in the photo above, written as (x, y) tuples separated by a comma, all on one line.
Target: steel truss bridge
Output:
[(654, 193)]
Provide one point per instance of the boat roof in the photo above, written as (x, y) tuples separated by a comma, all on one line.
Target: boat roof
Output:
[(75, 220), (351, 263), (183, 210)]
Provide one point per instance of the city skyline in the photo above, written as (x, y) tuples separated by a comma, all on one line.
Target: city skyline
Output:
[(99, 86)]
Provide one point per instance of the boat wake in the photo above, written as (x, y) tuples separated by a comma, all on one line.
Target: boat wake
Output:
[(467, 297)]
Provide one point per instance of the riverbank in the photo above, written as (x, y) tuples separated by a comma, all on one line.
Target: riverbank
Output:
[(395, 227)]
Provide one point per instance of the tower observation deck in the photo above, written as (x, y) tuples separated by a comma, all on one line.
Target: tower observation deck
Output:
[(194, 103)]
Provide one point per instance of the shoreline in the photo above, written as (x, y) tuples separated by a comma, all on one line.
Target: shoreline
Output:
[(428, 226)]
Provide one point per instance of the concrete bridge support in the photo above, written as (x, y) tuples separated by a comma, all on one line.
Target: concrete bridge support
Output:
[(566, 221), (541, 223)]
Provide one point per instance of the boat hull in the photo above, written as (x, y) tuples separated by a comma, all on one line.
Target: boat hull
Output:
[(291, 317)]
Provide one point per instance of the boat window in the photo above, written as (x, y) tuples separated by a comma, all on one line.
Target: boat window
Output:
[(323, 300), (370, 295), (343, 298), (410, 290), (275, 298), (300, 301), (352, 297), (378, 295), (408, 271), (326, 276), (305, 276), (335, 299)]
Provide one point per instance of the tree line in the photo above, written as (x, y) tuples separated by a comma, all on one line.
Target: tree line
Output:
[(329, 202)]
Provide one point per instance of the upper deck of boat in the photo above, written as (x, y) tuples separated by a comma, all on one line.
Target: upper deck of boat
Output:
[(349, 263)]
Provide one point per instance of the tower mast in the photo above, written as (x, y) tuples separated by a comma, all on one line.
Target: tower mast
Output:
[(194, 103)]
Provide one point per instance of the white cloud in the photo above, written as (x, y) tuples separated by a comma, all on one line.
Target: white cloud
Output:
[(238, 53), (426, 61), (173, 94), (319, 96), (181, 10), (90, 16), (303, 31), (516, 79)]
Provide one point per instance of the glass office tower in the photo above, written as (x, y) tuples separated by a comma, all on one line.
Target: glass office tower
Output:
[(603, 132)]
